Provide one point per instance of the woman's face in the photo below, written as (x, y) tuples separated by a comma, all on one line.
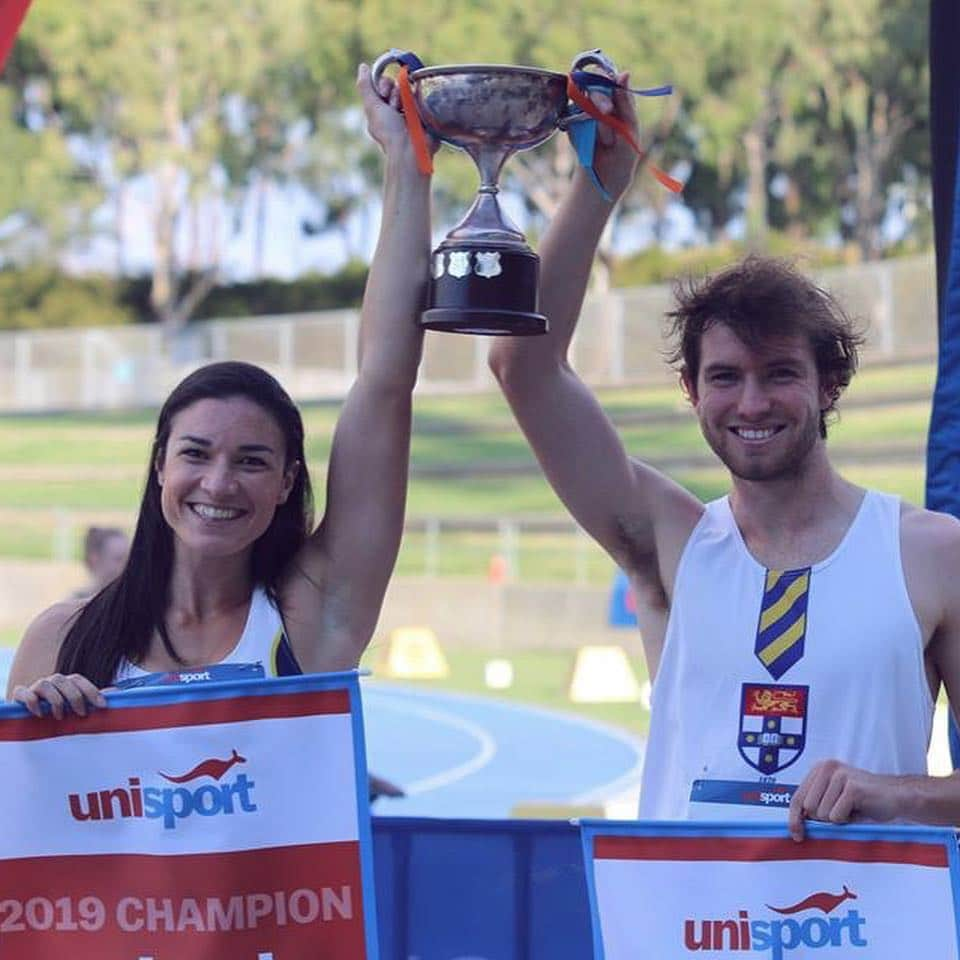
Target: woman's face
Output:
[(223, 475)]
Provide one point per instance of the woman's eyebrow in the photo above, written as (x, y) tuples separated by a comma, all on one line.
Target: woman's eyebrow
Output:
[(256, 448), (245, 447)]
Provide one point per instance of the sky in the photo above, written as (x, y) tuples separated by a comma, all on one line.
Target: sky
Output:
[(288, 251)]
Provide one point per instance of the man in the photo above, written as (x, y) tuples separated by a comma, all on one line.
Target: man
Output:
[(799, 629), (105, 552)]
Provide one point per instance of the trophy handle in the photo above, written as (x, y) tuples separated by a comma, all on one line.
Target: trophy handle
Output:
[(587, 58), (597, 58), (393, 55)]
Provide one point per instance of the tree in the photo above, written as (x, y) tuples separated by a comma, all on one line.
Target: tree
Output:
[(869, 61), (157, 83), (748, 51), (46, 192)]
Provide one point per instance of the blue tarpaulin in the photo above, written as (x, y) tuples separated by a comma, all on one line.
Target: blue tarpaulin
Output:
[(943, 442), (480, 890)]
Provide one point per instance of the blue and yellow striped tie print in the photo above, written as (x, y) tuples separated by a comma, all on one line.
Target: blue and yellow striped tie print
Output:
[(783, 620)]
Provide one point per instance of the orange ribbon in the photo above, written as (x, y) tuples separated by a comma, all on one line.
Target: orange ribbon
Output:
[(418, 136), (622, 129)]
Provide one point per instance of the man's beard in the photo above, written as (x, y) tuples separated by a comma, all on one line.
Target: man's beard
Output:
[(785, 465)]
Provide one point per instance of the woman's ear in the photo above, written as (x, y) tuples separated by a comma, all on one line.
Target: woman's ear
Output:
[(289, 478)]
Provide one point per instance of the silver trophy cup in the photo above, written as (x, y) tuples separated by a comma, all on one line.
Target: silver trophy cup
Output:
[(484, 276)]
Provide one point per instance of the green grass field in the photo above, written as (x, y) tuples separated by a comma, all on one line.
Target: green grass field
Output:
[(59, 473)]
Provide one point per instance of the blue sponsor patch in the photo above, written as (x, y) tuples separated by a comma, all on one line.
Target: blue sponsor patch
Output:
[(217, 671), (743, 792)]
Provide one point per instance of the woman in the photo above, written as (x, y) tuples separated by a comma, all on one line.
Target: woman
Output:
[(223, 566)]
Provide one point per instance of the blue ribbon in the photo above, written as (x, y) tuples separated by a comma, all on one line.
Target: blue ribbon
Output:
[(583, 136), (410, 60), (583, 129), (589, 80)]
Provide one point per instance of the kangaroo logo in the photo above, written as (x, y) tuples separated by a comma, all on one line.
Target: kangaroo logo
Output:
[(213, 768), (825, 902)]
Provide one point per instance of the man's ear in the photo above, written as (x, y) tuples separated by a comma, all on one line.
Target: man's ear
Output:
[(829, 394), (688, 386)]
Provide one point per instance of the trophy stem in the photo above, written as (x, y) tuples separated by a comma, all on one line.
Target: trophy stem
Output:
[(486, 223), (489, 158)]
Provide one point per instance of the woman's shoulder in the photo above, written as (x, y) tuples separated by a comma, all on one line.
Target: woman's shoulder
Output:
[(49, 628)]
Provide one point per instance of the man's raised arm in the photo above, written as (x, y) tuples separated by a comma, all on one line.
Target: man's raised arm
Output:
[(575, 442)]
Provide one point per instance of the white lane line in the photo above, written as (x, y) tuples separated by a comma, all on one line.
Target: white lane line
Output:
[(486, 752), (628, 781)]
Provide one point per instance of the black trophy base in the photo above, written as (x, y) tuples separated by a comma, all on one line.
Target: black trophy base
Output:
[(484, 290), (488, 323)]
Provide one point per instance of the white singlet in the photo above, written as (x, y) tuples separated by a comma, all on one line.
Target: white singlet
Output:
[(764, 673), (263, 641)]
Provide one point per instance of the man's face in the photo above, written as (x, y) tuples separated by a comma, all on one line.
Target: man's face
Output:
[(759, 406)]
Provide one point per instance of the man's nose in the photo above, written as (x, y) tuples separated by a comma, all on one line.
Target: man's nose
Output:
[(754, 399)]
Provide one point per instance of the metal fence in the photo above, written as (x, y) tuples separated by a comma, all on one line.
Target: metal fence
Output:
[(498, 549), (539, 580), (314, 355)]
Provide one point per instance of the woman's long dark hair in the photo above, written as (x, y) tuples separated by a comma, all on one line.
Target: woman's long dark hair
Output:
[(120, 620)]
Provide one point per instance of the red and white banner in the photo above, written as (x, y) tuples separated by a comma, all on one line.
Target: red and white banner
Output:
[(684, 890), (12, 13), (220, 821)]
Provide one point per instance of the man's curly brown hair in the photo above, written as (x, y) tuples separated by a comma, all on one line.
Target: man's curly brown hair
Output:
[(758, 298)]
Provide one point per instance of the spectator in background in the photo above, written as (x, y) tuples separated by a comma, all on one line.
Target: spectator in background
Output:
[(105, 552)]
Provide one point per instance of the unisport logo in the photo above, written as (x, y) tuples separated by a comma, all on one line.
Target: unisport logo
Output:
[(780, 937), (194, 677), (781, 798), (171, 804), (775, 796)]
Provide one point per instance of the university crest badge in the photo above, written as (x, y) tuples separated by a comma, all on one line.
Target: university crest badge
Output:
[(773, 725)]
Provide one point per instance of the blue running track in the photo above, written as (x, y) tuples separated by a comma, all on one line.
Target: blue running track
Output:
[(466, 756)]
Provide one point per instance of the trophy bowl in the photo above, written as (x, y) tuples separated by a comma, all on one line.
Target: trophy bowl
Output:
[(484, 276), (477, 105)]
